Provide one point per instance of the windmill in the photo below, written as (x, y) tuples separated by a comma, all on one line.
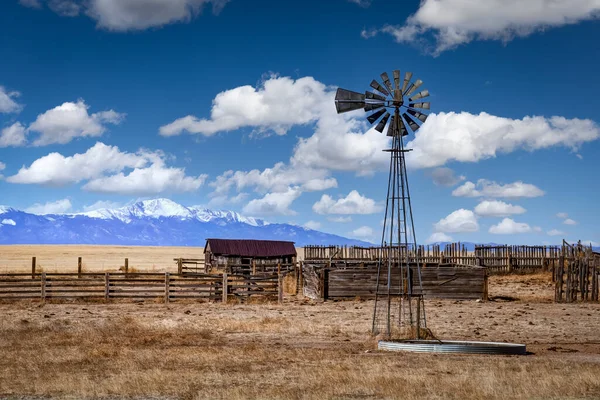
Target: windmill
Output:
[(400, 107)]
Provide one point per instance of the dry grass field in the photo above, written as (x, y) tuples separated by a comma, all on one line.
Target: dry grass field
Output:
[(97, 258), (298, 350)]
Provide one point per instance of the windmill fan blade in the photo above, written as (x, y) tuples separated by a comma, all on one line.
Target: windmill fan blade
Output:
[(397, 79), (374, 96), (407, 78), (414, 87), (375, 85), (373, 106), (421, 95), (347, 100), (416, 114), (345, 106), (386, 81), (424, 106), (381, 125), (403, 130), (375, 116), (391, 127), (343, 94), (413, 125)]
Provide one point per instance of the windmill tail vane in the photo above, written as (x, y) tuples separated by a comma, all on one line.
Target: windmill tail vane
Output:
[(397, 104)]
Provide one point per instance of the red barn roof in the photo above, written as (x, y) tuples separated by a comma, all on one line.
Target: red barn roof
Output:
[(250, 248)]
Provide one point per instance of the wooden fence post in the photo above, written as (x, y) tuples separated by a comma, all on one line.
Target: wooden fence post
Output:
[(253, 267), (279, 288), (32, 267), (179, 266), (43, 286), (224, 287), (325, 281), (167, 287), (106, 286), (127, 265), (79, 267), (418, 317), (301, 278)]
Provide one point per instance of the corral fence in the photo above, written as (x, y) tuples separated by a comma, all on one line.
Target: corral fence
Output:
[(138, 286), (577, 275), (498, 259), (443, 282)]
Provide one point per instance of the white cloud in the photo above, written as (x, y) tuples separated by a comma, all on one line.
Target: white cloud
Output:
[(2, 166), (488, 188), (497, 208), (101, 204), (457, 222), (273, 203), (438, 237), (55, 169), (276, 106), (537, 229), (466, 137), (456, 22), (364, 232), (590, 242), (130, 15), (569, 221), (276, 179), (154, 179), (221, 200), (340, 220), (118, 15), (56, 207), (8, 222), (7, 101), (104, 168), (340, 142), (65, 8), (361, 3), (562, 215), (508, 227), (70, 120), (555, 232), (353, 203), (14, 135), (314, 225), (31, 3), (445, 177)]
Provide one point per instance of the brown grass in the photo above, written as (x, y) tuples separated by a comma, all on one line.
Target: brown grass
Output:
[(299, 350)]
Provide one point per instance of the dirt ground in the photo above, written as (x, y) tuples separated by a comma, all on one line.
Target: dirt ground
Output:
[(300, 349)]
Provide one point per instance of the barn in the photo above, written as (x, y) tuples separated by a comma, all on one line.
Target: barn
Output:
[(246, 255)]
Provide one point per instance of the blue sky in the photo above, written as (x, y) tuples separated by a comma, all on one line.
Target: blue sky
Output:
[(104, 102)]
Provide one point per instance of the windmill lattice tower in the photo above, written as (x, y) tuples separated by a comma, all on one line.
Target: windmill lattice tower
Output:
[(399, 309)]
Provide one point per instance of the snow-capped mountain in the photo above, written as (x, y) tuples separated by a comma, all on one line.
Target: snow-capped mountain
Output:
[(158, 208), (159, 222)]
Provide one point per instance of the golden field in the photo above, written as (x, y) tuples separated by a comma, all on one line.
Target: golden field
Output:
[(300, 349), (96, 258)]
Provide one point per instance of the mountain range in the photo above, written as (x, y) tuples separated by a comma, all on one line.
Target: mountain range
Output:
[(158, 222)]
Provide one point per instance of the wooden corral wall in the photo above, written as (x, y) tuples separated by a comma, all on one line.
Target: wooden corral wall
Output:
[(497, 259), (439, 282), (577, 275), (110, 285)]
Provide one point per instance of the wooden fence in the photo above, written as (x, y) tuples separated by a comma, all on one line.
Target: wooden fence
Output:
[(440, 282), (190, 266), (111, 285), (497, 259), (577, 275)]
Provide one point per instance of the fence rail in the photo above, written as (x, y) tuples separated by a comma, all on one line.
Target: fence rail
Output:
[(109, 285)]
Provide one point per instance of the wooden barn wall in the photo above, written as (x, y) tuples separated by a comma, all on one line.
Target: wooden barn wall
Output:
[(440, 283)]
